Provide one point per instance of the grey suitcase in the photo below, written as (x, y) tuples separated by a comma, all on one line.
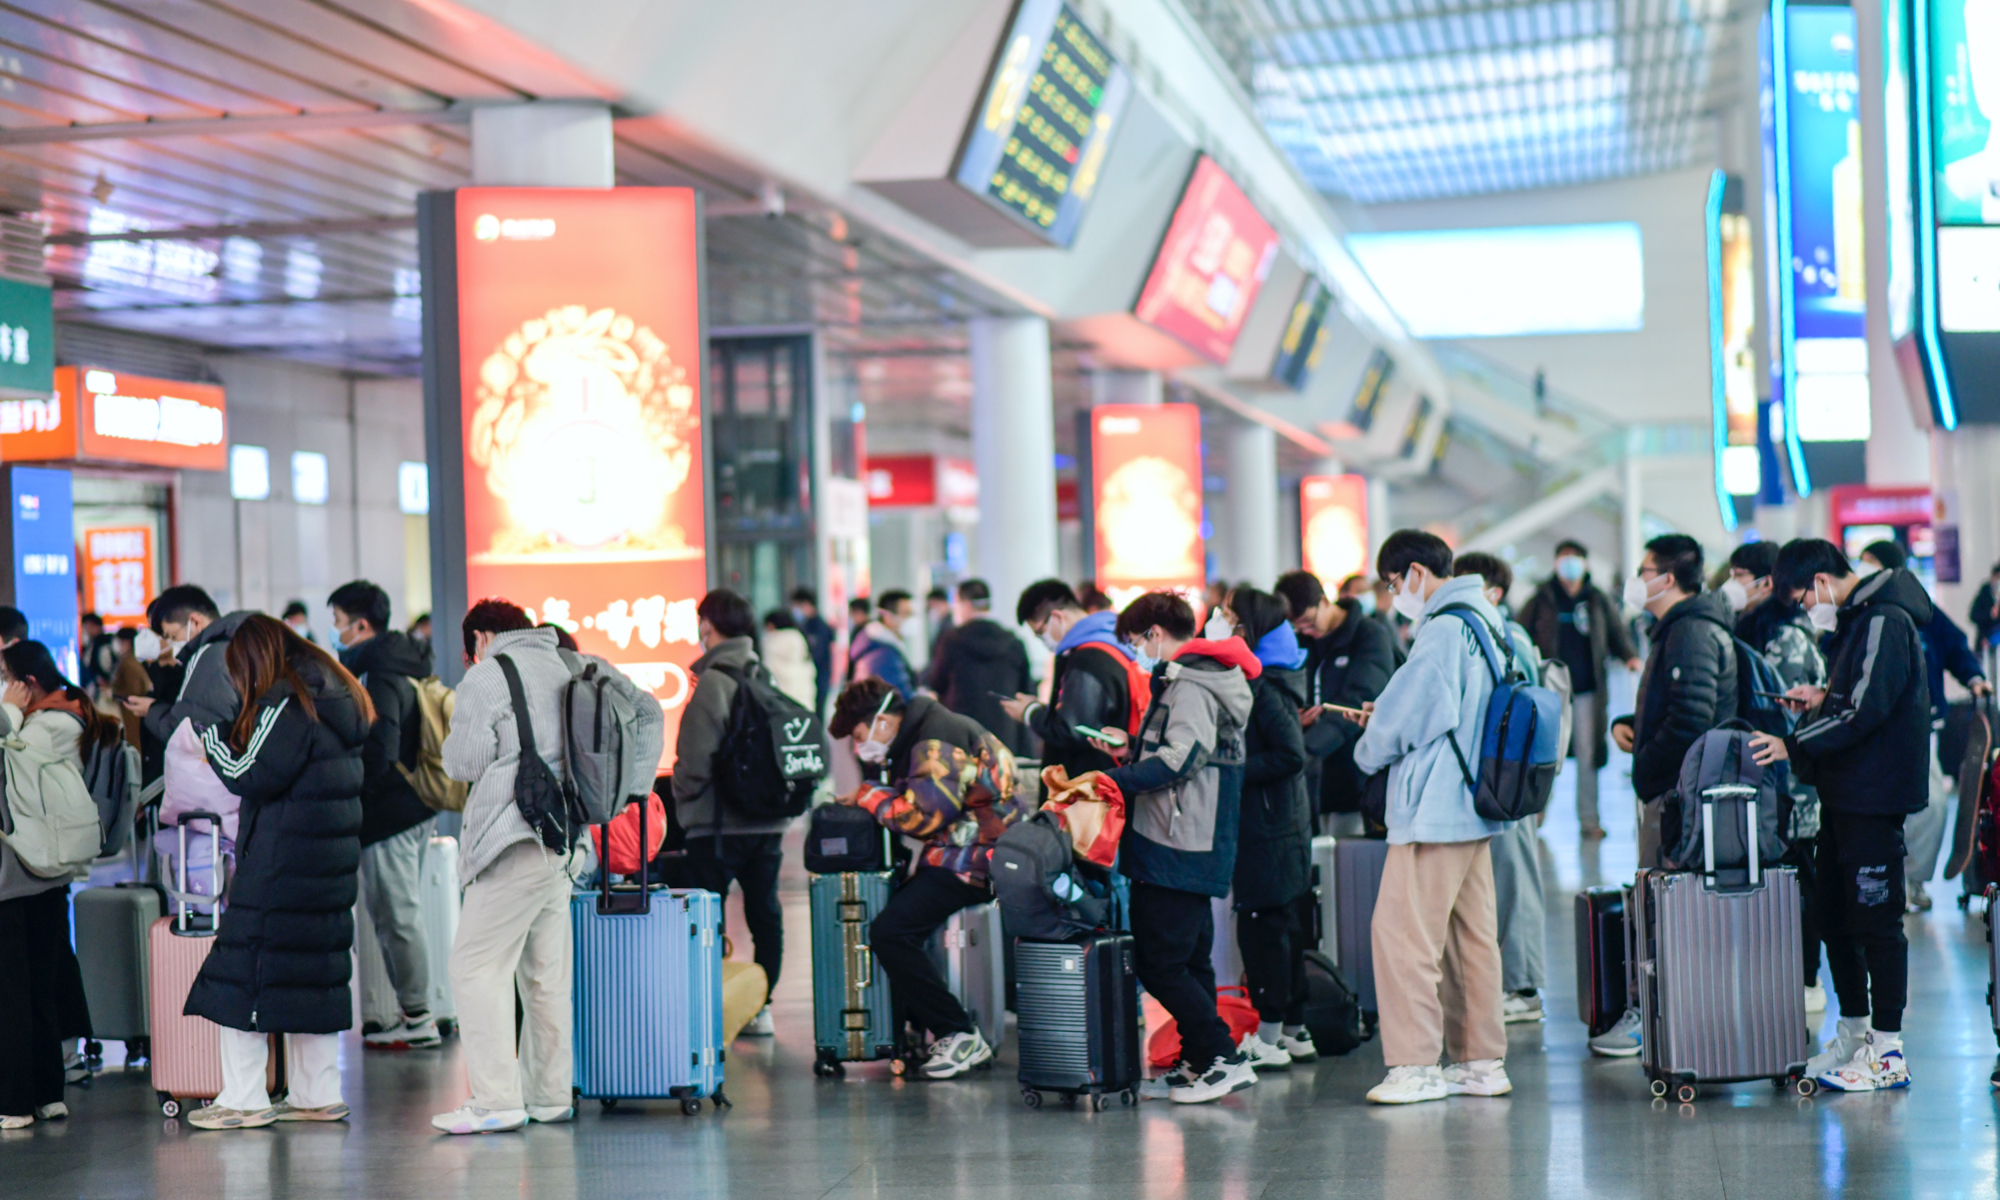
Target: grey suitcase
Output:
[(1357, 876), (111, 925), (854, 1018), (971, 954)]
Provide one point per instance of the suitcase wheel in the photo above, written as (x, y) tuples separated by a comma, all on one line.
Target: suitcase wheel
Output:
[(1659, 1088), (1128, 1097), (1031, 1098), (690, 1106), (607, 1103), (1805, 1086), (1685, 1093), (169, 1107), (93, 1053), (827, 1065)]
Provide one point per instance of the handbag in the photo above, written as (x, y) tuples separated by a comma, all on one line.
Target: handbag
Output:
[(547, 803), (1091, 810)]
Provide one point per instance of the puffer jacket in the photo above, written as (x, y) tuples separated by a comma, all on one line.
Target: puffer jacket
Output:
[(1349, 667), (1274, 834), (1541, 616), (385, 664), (1183, 794), (282, 956), (1688, 688), (972, 662), (484, 748), (877, 653), (205, 695), (1092, 688), (950, 783), (1867, 746), (704, 721)]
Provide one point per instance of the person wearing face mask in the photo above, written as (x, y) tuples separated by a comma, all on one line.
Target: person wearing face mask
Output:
[(946, 780), (979, 664), (1864, 741), (877, 649), (1572, 619), (396, 825), (1349, 658), (819, 640), (1095, 680)]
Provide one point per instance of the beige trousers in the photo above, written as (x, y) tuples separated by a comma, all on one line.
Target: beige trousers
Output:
[(514, 932), (1437, 955)]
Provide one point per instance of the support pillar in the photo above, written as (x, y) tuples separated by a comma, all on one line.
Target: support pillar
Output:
[(1013, 452), (545, 143), (1253, 504), (1380, 522), (1631, 531)]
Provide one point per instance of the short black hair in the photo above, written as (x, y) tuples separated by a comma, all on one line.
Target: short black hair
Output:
[(13, 623), (1043, 597), (364, 601), (889, 600), (125, 633), (1678, 555), (1406, 548), (803, 595), (491, 615), (858, 703), (174, 605), (1168, 610), (861, 604), (976, 593), (295, 608), (728, 613), (422, 618), (1357, 577), (780, 618), (1804, 558), (1758, 558), (1572, 546), (90, 618), (937, 593), (1891, 556), (1257, 612), (1092, 597), (1489, 567), (1301, 591)]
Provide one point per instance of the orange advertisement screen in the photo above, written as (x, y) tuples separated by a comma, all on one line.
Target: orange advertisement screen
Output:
[(118, 573), (579, 314), (1145, 466), (1333, 526), (126, 418), (1214, 259)]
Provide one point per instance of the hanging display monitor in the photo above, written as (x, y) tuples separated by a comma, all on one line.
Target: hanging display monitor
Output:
[(1037, 142), (1217, 251), (565, 372), (1307, 331), (1145, 467), (1732, 292), (1333, 526)]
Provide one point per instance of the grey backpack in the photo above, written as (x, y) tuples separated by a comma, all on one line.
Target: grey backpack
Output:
[(612, 730), (1726, 803)]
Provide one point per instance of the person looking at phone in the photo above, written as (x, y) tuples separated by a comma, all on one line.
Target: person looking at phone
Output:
[(1095, 682), (1349, 659), (979, 665)]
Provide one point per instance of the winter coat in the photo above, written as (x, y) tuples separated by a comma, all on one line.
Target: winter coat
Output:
[(281, 960), (1782, 636), (385, 664), (484, 747), (1349, 667), (789, 659), (54, 730), (950, 783), (1183, 793), (819, 639), (877, 653), (1945, 649), (975, 660), (205, 695), (1687, 689), (704, 721), (1867, 747), (1089, 687), (1274, 832), (1439, 693), (1984, 620), (1610, 640)]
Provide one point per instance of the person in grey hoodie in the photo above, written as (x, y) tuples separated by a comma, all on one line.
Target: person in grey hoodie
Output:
[(723, 844), (1435, 933)]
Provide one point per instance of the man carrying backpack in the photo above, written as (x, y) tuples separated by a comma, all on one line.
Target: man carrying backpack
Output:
[(1349, 659), (1094, 680)]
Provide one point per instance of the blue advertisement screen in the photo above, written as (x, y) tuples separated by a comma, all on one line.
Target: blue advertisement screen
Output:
[(1965, 100), (44, 561), (1822, 94)]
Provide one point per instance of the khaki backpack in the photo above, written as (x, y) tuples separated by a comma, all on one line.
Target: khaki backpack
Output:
[(441, 792)]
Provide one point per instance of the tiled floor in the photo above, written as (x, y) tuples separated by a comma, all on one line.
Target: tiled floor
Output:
[(1575, 1126)]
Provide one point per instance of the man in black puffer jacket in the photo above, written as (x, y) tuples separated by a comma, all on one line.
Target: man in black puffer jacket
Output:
[(1349, 658)]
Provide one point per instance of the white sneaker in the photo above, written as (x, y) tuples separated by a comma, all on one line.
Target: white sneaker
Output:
[(1229, 1074), (1917, 899), (480, 1120), (957, 1054), (1300, 1047), (760, 1025), (1877, 1066), (16, 1122), (1480, 1077), (1160, 1086), (1517, 1008), (75, 1069), (550, 1114), (53, 1112), (1409, 1085), (1815, 999), (1263, 1055), (406, 1035), (1850, 1035), (1621, 1040)]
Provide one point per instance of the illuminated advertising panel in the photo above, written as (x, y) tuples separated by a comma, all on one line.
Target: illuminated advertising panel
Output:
[(118, 417), (1965, 110), (1899, 169), (1212, 262), (1333, 526), (920, 481), (1037, 142), (578, 371), (1306, 335), (1732, 358), (44, 547), (1145, 466), (117, 572)]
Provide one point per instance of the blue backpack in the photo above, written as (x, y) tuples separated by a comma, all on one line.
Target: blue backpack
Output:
[(1520, 745)]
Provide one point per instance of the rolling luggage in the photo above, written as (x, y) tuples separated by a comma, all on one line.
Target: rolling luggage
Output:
[(1357, 876), (648, 993), (1992, 961), (1326, 921), (1602, 979), (438, 896), (112, 927), (971, 954), (1077, 1008), (854, 1019)]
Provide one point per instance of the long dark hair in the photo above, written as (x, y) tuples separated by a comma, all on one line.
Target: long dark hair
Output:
[(1257, 612), (30, 662), (264, 652)]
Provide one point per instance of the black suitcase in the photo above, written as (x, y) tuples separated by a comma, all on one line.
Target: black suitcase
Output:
[(1603, 983), (1077, 1004)]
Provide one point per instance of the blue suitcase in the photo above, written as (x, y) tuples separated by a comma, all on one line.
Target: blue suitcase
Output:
[(648, 993), (854, 1018)]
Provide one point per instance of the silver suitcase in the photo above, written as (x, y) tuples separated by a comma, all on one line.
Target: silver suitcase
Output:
[(1347, 909), (971, 954)]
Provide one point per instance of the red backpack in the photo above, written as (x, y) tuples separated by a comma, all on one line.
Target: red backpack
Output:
[(1138, 688)]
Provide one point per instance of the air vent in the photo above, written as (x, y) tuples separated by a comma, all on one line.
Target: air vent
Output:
[(21, 251)]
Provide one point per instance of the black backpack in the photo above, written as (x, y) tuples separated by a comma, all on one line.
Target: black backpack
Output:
[(1035, 880), (547, 803), (1333, 1013), (772, 753), (846, 838), (1754, 674)]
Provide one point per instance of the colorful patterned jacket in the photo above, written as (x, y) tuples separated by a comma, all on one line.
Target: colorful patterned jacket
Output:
[(957, 792)]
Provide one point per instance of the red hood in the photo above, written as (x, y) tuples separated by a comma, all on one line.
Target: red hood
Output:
[(1229, 651)]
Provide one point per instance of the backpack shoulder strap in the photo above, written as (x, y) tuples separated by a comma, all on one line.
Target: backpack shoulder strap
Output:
[(524, 730), (1484, 635)]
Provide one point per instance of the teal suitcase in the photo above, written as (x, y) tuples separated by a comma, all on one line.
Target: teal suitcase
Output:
[(854, 1017)]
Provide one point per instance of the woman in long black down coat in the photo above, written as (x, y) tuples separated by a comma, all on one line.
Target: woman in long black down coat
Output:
[(281, 960)]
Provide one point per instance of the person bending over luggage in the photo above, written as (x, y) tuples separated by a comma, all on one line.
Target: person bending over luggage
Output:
[(1274, 901), (1435, 942), (1864, 741), (41, 988), (1093, 682), (1349, 659), (722, 843), (281, 959), (951, 783)]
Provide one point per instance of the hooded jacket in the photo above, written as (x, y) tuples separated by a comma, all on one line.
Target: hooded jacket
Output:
[(697, 808), (1945, 649), (1090, 687), (1609, 636), (949, 782), (1687, 689), (206, 696), (1867, 746), (484, 748), (1183, 792), (877, 653), (1274, 832), (1781, 635), (385, 664), (1440, 692), (1349, 667), (972, 662), (788, 656), (281, 961)]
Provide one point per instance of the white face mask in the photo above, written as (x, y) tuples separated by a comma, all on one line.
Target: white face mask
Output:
[(1218, 627), (1737, 595), (1863, 570), (869, 750), (1050, 640), (146, 645), (1638, 591), (1367, 602), (1410, 602), (1824, 614)]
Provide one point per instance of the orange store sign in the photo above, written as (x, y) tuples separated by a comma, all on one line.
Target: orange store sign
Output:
[(1333, 526), (117, 417), (1145, 466), (118, 572)]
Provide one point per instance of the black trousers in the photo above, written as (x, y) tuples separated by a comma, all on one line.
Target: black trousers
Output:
[(898, 936), (41, 1000), (1859, 862), (753, 861), (1273, 944), (1173, 934)]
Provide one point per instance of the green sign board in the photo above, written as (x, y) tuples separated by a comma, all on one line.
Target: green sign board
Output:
[(27, 339)]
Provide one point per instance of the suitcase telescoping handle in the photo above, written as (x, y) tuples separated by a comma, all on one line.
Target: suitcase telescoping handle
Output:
[(1753, 845), (183, 918), (623, 902)]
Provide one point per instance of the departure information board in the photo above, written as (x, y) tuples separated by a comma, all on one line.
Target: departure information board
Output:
[(1306, 334), (1052, 101)]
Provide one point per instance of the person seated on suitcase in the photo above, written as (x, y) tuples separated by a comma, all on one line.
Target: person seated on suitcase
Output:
[(281, 959), (1434, 936), (950, 783), (41, 988), (1688, 688), (722, 843), (1091, 679), (1349, 659), (1864, 742)]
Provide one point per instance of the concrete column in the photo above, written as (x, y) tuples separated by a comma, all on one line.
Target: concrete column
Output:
[(545, 143), (1252, 481), (1631, 531), (1380, 522), (1127, 387), (1013, 452)]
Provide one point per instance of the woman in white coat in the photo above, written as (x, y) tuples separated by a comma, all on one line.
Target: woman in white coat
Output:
[(788, 658)]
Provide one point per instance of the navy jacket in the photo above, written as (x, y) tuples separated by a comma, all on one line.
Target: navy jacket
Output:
[(1945, 649)]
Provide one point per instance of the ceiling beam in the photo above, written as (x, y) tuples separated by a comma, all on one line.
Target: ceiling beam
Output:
[(246, 229), (232, 126)]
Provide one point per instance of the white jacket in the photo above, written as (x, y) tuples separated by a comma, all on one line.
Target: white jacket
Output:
[(789, 660)]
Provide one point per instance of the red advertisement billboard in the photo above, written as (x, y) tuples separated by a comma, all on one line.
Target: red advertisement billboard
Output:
[(1214, 259), (114, 416), (118, 573), (580, 343), (1333, 526), (1145, 466)]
